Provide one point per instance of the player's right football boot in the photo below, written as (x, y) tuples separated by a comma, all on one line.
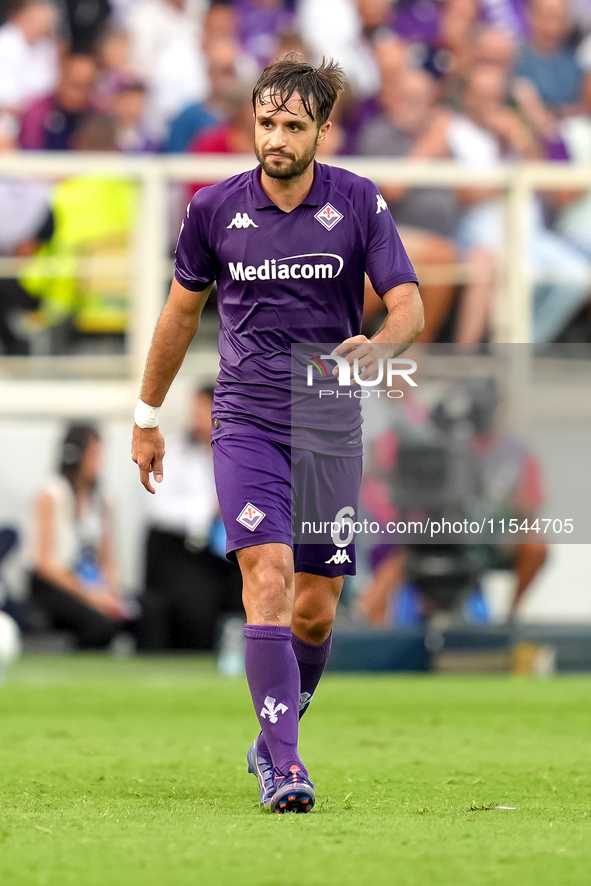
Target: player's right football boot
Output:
[(261, 765), (293, 792)]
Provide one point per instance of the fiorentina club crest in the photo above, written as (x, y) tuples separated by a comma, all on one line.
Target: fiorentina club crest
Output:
[(250, 517), (328, 216)]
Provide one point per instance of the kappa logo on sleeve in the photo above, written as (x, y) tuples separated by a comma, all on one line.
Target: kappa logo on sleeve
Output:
[(328, 216), (242, 221), (382, 205), (250, 517)]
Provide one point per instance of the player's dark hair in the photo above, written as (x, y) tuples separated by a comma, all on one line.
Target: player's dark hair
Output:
[(318, 88), (77, 439)]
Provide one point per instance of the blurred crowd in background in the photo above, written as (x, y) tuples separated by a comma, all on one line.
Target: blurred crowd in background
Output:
[(476, 81), (448, 457), (164, 72)]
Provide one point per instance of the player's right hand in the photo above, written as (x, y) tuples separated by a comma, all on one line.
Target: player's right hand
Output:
[(147, 451)]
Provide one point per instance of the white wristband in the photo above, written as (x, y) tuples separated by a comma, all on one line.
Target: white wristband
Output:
[(146, 416)]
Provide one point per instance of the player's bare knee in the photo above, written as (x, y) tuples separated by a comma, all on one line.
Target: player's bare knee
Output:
[(269, 577), (315, 632), (267, 586), (313, 627)]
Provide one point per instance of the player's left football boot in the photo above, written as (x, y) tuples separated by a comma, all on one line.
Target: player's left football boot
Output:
[(261, 765), (293, 792)]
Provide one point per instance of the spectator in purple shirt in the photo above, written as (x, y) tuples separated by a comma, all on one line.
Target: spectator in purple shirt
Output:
[(112, 57), (506, 15), (417, 20), (260, 24), (129, 110), (390, 55), (441, 46), (50, 122)]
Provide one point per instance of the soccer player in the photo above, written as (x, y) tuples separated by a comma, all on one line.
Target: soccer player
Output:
[(288, 244)]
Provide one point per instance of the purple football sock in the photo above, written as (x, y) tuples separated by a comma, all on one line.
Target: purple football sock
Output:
[(311, 662), (274, 683)]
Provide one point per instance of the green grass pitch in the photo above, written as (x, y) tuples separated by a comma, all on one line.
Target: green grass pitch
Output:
[(125, 772)]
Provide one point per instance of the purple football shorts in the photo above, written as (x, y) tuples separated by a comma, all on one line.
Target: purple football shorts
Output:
[(268, 490)]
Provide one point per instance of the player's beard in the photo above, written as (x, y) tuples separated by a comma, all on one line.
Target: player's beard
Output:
[(293, 170)]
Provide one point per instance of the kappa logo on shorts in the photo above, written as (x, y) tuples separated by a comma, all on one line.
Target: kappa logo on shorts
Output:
[(339, 557), (250, 517), (328, 216)]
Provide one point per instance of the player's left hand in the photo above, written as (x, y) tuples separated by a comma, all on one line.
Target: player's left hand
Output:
[(366, 352)]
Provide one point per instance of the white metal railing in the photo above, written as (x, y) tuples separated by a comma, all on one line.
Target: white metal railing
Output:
[(512, 313)]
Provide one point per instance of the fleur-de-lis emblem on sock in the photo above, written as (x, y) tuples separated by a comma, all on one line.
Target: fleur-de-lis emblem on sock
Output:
[(270, 710), (305, 699)]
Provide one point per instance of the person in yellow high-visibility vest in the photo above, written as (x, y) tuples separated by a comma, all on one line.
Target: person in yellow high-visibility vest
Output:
[(82, 274)]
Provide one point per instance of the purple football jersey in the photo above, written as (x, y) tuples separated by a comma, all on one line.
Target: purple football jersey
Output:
[(284, 278)]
